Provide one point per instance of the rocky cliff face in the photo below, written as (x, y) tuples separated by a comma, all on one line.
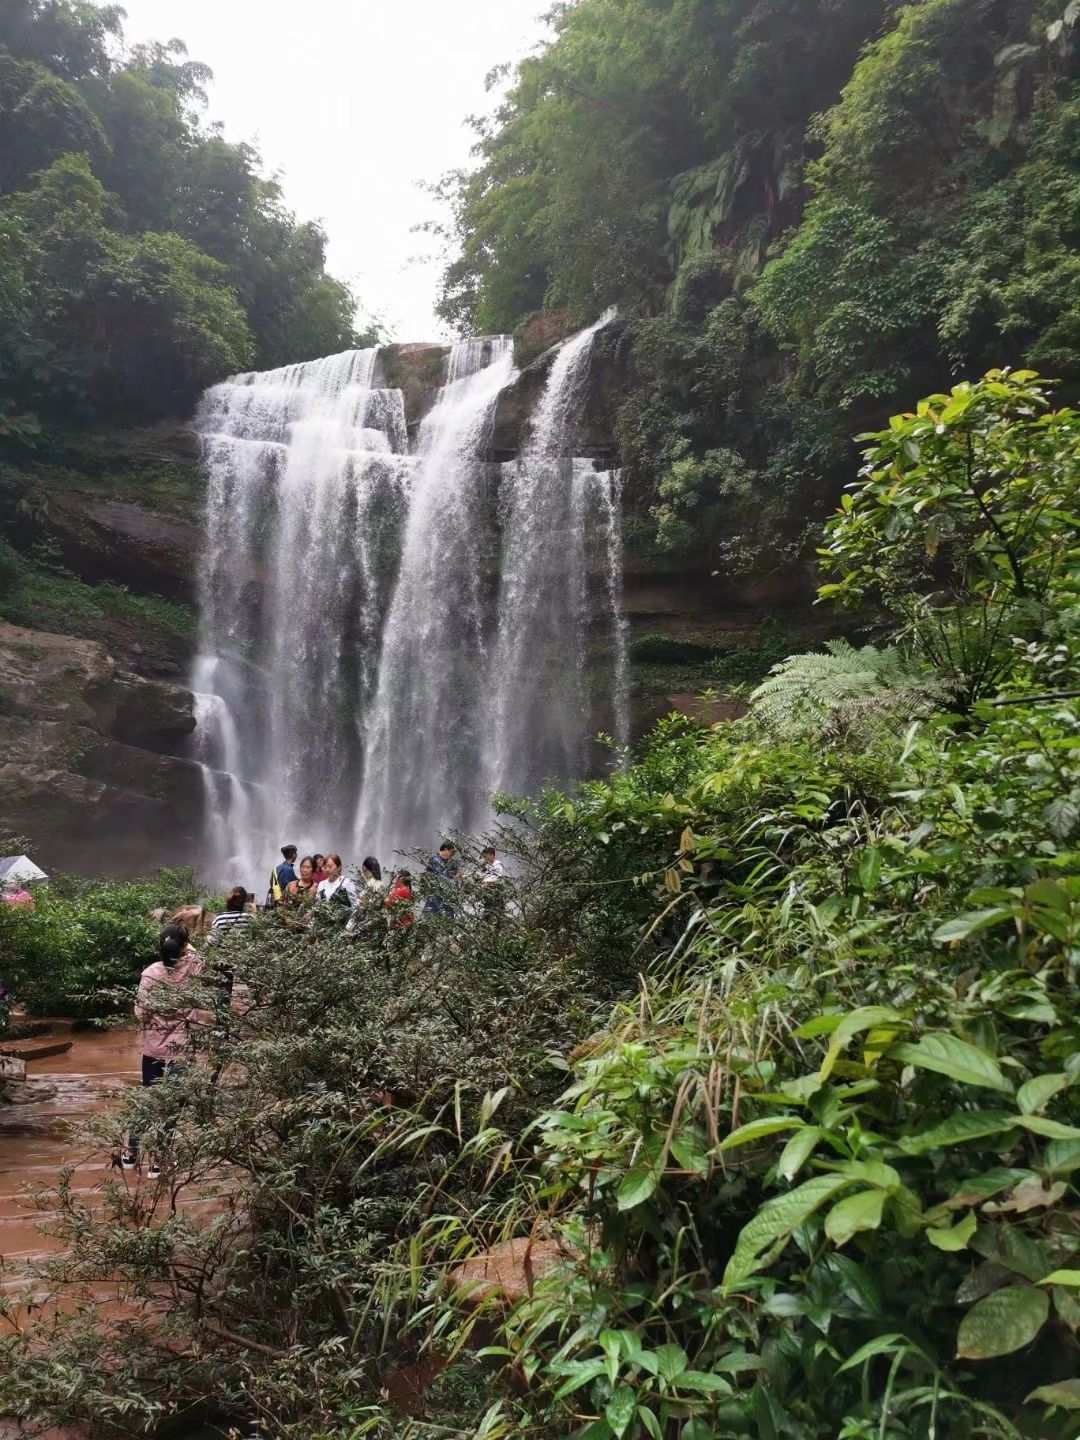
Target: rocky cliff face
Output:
[(91, 770)]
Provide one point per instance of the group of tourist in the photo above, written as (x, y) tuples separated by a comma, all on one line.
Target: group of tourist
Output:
[(321, 879), (318, 880)]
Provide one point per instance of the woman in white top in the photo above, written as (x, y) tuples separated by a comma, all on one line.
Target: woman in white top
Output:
[(337, 888)]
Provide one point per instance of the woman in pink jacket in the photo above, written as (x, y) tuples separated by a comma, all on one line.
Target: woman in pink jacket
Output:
[(166, 1021)]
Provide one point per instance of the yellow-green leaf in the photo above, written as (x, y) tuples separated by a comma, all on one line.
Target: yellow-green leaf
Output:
[(953, 1237), (855, 1213)]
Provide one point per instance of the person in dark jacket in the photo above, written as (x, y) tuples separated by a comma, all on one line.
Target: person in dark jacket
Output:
[(443, 867)]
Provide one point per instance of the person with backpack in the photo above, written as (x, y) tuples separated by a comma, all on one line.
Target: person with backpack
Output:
[(282, 876)]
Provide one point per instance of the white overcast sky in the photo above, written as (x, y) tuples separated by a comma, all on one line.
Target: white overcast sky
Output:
[(354, 102)]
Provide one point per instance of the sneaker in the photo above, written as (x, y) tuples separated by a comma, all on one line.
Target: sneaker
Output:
[(129, 1160), (153, 1170)]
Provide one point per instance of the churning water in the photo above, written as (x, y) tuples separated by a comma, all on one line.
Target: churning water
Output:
[(387, 637)]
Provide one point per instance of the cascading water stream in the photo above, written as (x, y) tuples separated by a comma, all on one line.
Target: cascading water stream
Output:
[(426, 734), (386, 638), (306, 481), (538, 686)]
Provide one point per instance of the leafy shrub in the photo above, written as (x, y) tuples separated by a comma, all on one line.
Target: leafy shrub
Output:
[(83, 940)]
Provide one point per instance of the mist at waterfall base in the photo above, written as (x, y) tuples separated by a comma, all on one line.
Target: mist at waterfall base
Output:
[(391, 632)]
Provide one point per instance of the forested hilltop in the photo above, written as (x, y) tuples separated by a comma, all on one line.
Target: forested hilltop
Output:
[(142, 255), (811, 210)]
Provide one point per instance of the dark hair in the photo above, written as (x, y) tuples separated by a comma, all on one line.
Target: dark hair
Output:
[(448, 845), (237, 898), (372, 866), (289, 852), (336, 859), (309, 860), (317, 860), (172, 942), (405, 875), (488, 850)]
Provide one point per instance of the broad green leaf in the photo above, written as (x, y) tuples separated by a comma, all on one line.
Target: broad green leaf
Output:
[(758, 1129), (1012, 1247), (579, 1373), (798, 1150), (949, 1055), (1064, 1393), (619, 1410), (954, 1237), (611, 1345), (978, 1188), (869, 1017), (957, 1130), (1034, 1094), (671, 1361), (965, 925), (690, 1151), (820, 1025), (705, 1384), (869, 1172), (651, 1423), (855, 1213), (1062, 1156), (776, 1219), (1067, 1307), (1002, 1322), (1052, 1129), (1062, 1277), (870, 868), (637, 1186)]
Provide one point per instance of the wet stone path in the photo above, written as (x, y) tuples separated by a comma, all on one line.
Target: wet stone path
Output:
[(38, 1134)]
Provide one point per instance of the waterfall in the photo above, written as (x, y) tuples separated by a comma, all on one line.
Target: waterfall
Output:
[(387, 637), (426, 735), (538, 685), (306, 483)]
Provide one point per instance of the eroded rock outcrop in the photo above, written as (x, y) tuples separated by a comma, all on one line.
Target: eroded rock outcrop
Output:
[(127, 543), (90, 771)]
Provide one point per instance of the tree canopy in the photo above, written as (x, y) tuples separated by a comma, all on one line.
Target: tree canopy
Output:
[(142, 255), (807, 209)]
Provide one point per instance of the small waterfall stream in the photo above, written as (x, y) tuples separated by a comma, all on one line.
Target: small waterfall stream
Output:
[(387, 637), (537, 680)]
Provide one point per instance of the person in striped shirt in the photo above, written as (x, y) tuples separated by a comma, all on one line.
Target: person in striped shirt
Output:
[(236, 916), (234, 920)]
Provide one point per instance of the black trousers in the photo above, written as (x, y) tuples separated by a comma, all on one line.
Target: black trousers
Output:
[(154, 1070)]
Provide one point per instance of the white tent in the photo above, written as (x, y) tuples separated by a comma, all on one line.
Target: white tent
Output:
[(18, 870)]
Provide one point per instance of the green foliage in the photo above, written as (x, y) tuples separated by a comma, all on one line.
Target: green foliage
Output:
[(46, 598), (805, 210), (143, 256), (804, 692), (82, 940), (964, 525)]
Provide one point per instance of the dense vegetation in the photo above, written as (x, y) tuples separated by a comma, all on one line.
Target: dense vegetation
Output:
[(773, 1059), (808, 209), (84, 943), (142, 255)]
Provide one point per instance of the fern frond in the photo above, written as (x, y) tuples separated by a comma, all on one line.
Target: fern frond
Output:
[(805, 692)]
